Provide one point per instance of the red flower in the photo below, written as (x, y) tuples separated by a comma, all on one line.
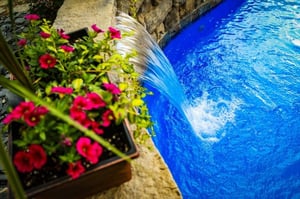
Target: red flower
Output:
[(62, 90), (81, 103), (45, 35), (23, 162), (96, 28), (38, 156), (95, 100), (47, 61), (88, 150), (33, 117), (114, 33), (62, 34), (107, 117), (94, 152), (95, 126), (112, 88), (75, 169), (22, 42), (67, 48), (83, 145), (32, 17), (78, 114), (19, 111)]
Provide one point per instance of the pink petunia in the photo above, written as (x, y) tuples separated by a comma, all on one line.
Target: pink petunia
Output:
[(45, 35), (81, 102), (107, 117), (96, 28), (47, 61), (114, 33), (62, 90), (112, 88), (87, 149), (78, 114), (62, 34), (32, 17), (95, 100), (83, 145), (38, 155), (19, 111), (96, 128), (75, 169), (94, 152), (23, 162), (67, 49), (22, 42)]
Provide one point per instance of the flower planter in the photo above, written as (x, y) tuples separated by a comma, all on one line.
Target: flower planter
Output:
[(111, 171), (53, 159)]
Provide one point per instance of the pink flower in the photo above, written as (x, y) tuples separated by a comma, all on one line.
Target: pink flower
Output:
[(19, 111), (32, 17), (22, 42), (107, 117), (38, 156), (32, 118), (96, 128), (81, 102), (67, 48), (114, 33), (88, 150), (75, 169), (95, 100), (47, 61), (78, 114), (62, 90), (28, 111), (96, 28), (62, 34), (94, 152), (112, 88), (67, 141), (45, 35), (23, 162), (41, 110), (82, 146)]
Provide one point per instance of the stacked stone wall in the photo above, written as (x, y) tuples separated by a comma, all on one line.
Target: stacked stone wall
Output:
[(165, 18)]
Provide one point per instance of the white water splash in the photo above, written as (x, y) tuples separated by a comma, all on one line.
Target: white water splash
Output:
[(208, 117)]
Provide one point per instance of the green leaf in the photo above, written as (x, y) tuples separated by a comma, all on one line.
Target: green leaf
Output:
[(43, 136), (77, 83), (51, 48)]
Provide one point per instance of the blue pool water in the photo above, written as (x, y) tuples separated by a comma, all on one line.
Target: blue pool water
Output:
[(239, 66)]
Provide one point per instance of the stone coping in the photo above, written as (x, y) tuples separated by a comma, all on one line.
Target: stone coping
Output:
[(151, 177)]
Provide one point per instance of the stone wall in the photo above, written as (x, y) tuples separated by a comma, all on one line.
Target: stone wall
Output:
[(164, 18)]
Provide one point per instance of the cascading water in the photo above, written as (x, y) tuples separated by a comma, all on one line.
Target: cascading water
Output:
[(204, 116)]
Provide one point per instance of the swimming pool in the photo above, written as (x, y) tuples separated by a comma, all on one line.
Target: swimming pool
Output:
[(239, 66)]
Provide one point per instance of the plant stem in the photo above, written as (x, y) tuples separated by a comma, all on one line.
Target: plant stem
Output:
[(11, 174)]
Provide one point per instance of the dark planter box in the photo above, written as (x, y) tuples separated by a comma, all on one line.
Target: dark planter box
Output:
[(106, 174)]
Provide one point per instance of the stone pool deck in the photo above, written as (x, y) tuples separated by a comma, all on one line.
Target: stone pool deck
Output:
[(151, 177)]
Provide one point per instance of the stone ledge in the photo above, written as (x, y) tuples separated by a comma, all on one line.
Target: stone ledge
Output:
[(151, 177)]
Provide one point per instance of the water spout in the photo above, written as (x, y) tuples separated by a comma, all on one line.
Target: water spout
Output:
[(152, 64), (156, 70)]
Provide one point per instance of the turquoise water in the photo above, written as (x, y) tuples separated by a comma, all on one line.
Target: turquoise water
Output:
[(239, 68)]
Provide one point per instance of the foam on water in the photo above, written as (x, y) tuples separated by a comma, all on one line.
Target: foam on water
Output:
[(208, 117)]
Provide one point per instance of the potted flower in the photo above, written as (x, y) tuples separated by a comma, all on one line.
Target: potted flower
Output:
[(80, 95)]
